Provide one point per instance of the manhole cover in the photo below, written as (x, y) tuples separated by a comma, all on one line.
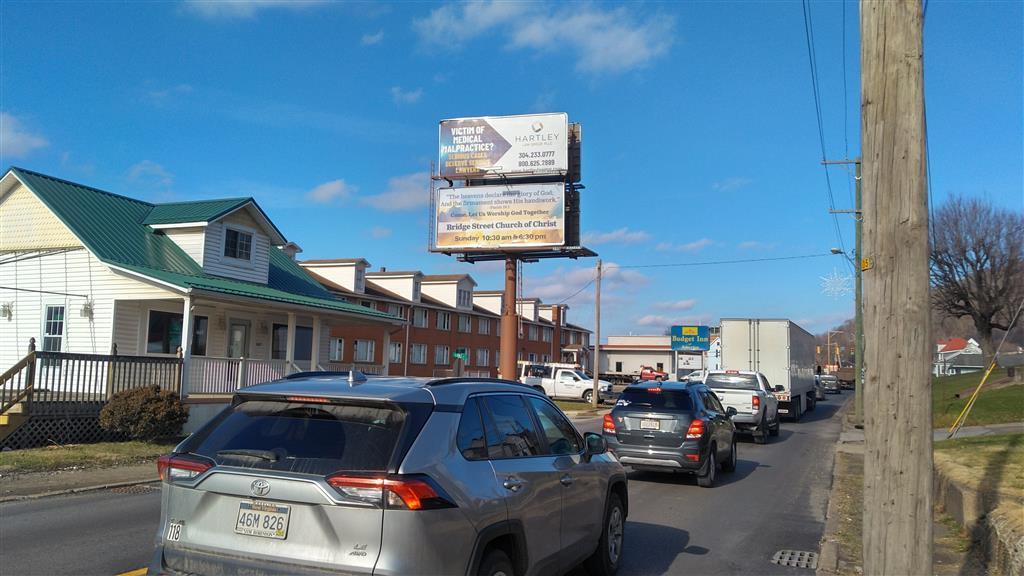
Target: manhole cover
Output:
[(796, 559), (137, 489)]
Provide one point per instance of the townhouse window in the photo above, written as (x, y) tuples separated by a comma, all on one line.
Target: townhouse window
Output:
[(465, 323), (544, 358), (465, 298), (237, 244), (163, 336), (483, 325), (279, 342), (419, 318), (366, 304), (417, 353), (444, 321), (546, 334), (497, 358), (395, 310), (395, 352), (575, 337), (442, 356), (364, 350), (565, 338), (533, 357), (533, 332), (483, 357), (337, 350)]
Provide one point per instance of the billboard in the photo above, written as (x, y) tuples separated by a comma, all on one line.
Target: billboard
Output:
[(499, 218), (496, 146), (691, 338)]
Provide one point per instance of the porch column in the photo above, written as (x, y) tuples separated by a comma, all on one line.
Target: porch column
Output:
[(289, 354), (386, 352), (314, 355), (186, 345)]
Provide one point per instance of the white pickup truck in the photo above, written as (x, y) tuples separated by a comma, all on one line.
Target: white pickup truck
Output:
[(757, 408), (563, 381)]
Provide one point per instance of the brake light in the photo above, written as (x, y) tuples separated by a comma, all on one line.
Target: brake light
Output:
[(732, 371), (755, 401), (404, 493), (609, 424), (307, 399), (655, 390), (696, 430), (173, 468)]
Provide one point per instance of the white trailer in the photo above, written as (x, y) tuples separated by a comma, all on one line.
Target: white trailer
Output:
[(780, 350)]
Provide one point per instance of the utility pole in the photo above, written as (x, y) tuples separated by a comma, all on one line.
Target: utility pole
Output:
[(509, 323), (595, 396), (858, 302), (897, 530)]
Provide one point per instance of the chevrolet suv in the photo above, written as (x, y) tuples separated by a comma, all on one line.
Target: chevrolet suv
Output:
[(341, 474)]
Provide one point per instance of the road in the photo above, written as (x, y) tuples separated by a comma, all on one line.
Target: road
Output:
[(775, 500)]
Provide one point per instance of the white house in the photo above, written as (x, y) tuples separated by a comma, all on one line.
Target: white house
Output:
[(87, 271), (958, 356)]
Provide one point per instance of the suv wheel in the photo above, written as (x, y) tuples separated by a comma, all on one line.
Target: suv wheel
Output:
[(605, 560), (706, 478), (730, 464), (496, 563)]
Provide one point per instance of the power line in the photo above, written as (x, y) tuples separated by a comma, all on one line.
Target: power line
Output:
[(577, 293)]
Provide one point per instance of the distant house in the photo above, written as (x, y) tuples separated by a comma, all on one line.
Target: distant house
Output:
[(958, 356), (86, 271)]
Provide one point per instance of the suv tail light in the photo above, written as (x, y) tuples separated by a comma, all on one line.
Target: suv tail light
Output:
[(401, 493), (755, 401), (608, 425), (696, 430), (173, 468)]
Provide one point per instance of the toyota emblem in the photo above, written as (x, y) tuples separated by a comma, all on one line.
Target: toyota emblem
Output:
[(259, 487)]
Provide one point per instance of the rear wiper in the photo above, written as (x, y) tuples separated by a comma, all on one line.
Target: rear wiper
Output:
[(261, 454)]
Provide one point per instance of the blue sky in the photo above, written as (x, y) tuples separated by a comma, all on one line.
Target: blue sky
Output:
[(700, 138)]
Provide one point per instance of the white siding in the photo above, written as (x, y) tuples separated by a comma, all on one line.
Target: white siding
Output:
[(27, 224), (404, 286), (446, 291), (489, 302), (191, 240), (214, 261), (75, 276)]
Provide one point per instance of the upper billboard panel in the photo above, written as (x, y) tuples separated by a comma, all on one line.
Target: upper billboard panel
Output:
[(499, 218), (500, 146)]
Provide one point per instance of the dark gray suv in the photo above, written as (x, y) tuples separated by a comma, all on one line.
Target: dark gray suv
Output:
[(378, 475)]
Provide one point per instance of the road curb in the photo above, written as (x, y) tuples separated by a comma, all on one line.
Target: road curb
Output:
[(828, 555), (66, 491)]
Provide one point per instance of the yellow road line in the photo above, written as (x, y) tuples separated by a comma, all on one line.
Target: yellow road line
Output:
[(138, 572)]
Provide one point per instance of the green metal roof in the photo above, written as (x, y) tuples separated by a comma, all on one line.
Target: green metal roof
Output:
[(113, 228), (195, 211)]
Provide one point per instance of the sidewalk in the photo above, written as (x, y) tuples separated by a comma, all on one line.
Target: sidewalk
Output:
[(854, 435), (40, 484)]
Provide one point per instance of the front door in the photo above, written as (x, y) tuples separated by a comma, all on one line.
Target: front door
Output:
[(238, 338)]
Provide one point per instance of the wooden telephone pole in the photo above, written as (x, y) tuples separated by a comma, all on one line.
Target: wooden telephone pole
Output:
[(897, 531), (595, 397)]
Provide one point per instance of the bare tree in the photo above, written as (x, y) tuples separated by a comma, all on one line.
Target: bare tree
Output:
[(977, 264)]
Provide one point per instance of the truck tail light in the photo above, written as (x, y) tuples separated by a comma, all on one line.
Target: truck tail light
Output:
[(171, 468), (755, 401), (401, 493), (608, 424), (696, 430)]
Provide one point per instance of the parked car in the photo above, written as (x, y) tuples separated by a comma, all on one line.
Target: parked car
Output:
[(672, 427), (757, 408), (563, 381), (386, 475), (831, 384), (648, 373)]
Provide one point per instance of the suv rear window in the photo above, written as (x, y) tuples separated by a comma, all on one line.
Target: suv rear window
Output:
[(308, 438), (658, 398), (734, 381)]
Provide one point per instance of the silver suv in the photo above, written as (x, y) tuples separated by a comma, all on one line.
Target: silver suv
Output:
[(328, 473)]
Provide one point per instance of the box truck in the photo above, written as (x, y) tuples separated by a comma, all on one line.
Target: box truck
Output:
[(780, 350)]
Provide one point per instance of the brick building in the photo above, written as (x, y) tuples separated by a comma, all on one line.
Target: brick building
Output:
[(444, 314)]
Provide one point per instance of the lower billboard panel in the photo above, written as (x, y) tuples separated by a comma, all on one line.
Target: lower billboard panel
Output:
[(499, 218)]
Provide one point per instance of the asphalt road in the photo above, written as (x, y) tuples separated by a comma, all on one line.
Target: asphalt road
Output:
[(776, 499)]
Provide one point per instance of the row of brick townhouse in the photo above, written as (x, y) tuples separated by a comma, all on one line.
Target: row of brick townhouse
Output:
[(443, 313)]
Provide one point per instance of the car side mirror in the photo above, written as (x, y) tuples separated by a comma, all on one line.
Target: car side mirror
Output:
[(780, 388), (730, 411), (596, 444)]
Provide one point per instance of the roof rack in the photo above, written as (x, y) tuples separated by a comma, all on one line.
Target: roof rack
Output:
[(468, 380), (351, 375)]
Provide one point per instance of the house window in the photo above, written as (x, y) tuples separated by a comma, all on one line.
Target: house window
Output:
[(53, 329), (366, 304), (465, 323), (442, 356), (419, 318), (465, 298), (444, 321), (279, 342), (395, 352), (544, 358), (565, 338), (575, 337), (237, 244), (396, 310), (164, 334), (483, 325), (483, 357), (417, 353), (337, 350), (533, 357), (364, 350), (533, 332), (546, 334)]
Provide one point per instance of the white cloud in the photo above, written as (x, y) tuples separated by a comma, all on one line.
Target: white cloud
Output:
[(755, 245), (239, 9), (731, 184), (666, 321), (602, 39), (622, 235), (330, 191), (574, 283), (149, 174), (164, 96), (405, 96), (687, 304), (371, 39), (380, 232), (15, 140), (407, 192), (688, 247)]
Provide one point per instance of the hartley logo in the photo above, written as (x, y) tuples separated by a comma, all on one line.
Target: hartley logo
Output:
[(259, 487), (537, 126)]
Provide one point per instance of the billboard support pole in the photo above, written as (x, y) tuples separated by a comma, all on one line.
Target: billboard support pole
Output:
[(509, 323)]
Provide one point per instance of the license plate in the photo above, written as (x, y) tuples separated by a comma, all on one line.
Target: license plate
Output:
[(783, 397), (783, 411), (262, 519), (650, 425)]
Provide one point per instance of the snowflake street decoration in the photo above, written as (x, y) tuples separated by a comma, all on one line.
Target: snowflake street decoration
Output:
[(835, 284)]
